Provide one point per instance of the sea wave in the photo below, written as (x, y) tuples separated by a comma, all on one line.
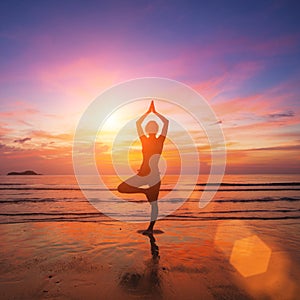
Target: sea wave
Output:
[(162, 189), (95, 214), (252, 184), (265, 199), (171, 200), (283, 183), (169, 218)]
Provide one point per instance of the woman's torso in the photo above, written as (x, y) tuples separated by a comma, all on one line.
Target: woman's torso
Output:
[(152, 149)]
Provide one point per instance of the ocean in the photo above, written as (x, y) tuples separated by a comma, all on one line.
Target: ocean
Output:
[(239, 197)]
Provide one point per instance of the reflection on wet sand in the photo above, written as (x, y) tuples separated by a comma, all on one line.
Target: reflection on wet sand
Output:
[(148, 282)]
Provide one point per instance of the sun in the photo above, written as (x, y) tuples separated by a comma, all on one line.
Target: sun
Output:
[(114, 122)]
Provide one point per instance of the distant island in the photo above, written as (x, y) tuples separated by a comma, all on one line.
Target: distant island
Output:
[(28, 172)]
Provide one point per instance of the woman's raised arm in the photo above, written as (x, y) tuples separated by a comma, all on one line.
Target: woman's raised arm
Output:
[(165, 121), (139, 122)]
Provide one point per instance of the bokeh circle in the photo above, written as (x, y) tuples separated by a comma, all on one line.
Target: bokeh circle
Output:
[(92, 120)]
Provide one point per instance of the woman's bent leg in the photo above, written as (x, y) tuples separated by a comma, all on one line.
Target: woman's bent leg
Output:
[(128, 189), (132, 185)]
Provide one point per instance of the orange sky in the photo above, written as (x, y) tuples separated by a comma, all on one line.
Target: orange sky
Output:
[(260, 146)]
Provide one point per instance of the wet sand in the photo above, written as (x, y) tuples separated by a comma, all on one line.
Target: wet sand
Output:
[(112, 260)]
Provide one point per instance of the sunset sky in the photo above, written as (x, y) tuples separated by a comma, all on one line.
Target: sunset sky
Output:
[(242, 56)]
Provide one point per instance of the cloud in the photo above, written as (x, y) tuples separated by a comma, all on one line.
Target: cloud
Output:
[(47, 135), (278, 159), (288, 114), (22, 141), (4, 130), (217, 122), (54, 160), (5, 149), (276, 46), (277, 148), (19, 113)]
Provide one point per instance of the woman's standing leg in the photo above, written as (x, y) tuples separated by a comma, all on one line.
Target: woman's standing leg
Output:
[(152, 196), (154, 214)]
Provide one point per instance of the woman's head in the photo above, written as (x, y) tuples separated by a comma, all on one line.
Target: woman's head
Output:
[(151, 127)]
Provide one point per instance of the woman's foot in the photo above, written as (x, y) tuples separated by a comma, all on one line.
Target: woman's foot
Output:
[(148, 232)]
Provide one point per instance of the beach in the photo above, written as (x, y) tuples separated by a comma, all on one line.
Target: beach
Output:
[(113, 261), (237, 248)]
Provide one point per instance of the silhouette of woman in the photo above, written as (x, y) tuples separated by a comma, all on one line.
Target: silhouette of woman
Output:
[(148, 174)]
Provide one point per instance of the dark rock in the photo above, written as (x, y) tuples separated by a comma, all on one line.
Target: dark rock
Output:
[(28, 172)]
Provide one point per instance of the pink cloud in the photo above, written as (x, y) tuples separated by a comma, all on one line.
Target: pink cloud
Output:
[(229, 80), (4, 130), (47, 135), (279, 45), (50, 159), (18, 113)]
